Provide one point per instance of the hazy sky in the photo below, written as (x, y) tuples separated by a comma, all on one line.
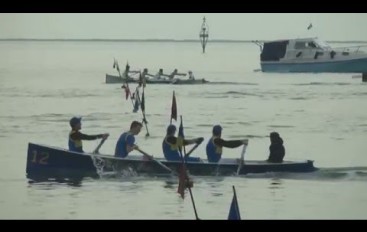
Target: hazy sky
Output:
[(244, 26)]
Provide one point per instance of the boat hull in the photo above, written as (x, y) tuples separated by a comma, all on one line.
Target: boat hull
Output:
[(111, 79), (44, 162), (337, 66)]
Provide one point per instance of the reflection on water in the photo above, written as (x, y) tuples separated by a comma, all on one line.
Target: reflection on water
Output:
[(276, 183)]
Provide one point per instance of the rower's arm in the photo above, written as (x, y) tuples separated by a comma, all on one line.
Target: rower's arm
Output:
[(130, 140), (189, 141), (228, 143), (173, 140), (80, 136), (192, 141), (134, 71)]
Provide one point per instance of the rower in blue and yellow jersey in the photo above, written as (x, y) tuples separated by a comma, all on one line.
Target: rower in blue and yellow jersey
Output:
[(76, 137), (126, 142), (216, 143), (171, 147)]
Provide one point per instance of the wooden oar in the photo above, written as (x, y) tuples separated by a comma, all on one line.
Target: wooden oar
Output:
[(157, 161), (192, 149), (96, 151), (242, 159)]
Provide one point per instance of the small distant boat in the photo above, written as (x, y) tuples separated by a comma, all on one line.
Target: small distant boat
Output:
[(310, 55), (46, 162), (111, 79)]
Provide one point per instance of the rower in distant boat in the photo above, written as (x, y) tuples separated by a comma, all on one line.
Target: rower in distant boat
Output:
[(143, 77), (144, 74), (76, 137), (216, 143), (125, 74), (158, 76), (171, 147), (191, 76), (175, 73)]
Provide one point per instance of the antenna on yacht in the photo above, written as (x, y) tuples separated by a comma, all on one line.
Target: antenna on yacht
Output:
[(309, 26), (204, 34)]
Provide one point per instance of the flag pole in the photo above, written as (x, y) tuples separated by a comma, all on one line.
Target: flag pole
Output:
[(126, 82), (143, 112), (186, 176)]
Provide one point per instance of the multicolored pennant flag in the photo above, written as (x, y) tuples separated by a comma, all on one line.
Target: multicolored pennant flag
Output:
[(234, 211)]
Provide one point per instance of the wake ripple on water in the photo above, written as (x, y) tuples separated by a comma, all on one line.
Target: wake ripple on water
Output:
[(322, 174)]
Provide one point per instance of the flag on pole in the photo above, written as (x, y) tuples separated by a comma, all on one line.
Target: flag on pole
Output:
[(137, 100), (174, 108), (144, 82), (136, 106), (234, 211), (182, 172), (114, 63), (140, 83), (309, 26), (127, 92), (117, 67), (180, 137), (142, 105)]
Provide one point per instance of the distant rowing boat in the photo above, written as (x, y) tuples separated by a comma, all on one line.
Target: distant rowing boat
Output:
[(52, 162), (111, 79)]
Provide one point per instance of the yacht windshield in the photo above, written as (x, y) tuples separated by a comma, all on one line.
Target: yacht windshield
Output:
[(323, 44)]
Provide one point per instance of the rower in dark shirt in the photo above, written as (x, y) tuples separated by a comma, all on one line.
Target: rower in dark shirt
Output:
[(216, 143), (76, 137)]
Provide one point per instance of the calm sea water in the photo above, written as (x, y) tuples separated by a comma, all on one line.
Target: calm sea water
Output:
[(322, 117)]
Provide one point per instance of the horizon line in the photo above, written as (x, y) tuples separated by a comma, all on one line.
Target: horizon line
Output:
[(158, 40)]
